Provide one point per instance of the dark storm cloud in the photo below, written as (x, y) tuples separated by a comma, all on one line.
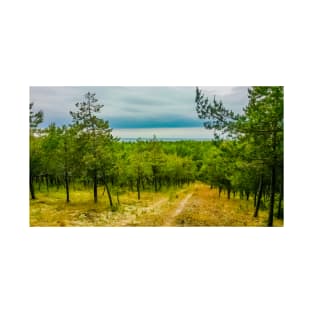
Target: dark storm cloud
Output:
[(135, 107)]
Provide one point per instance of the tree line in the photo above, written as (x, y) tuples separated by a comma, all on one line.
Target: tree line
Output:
[(85, 153), (252, 147), (245, 159)]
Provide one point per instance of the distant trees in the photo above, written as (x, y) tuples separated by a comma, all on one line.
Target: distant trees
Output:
[(139, 168), (56, 156), (157, 160), (260, 131), (85, 152)]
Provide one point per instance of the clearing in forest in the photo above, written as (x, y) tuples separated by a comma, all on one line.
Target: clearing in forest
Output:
[(194, 205)]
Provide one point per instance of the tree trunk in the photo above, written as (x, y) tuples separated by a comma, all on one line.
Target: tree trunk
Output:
[(58, 183), (247, 194), (154, 170), (32, 189), (241, 194), (259, 197), (117, 198), (109, 193), (95, 187), (273, 184), (228, 194), (47, 182), (219, 191), (281, 195), (280, 212), (138, 187), (272, 199), (67, 187)]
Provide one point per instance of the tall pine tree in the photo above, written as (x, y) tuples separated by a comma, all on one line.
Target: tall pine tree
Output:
[(35, 118), (260, 127), (92, 134)]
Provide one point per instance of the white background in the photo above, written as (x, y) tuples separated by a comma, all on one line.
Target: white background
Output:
[(181, 43)]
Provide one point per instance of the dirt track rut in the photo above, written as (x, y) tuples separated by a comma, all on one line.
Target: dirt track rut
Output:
[(178, 210)]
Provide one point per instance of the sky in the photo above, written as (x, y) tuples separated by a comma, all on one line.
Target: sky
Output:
[(136, 107)]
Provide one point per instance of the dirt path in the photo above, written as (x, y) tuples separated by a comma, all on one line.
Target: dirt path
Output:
[(178, 210)]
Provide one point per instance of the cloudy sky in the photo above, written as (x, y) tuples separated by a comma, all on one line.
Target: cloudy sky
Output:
[(135, 107)]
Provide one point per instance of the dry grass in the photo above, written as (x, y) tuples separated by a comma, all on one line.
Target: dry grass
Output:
[(203, 208), (52, 210)]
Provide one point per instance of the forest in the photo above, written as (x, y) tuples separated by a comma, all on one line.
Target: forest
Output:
[(81, 175)]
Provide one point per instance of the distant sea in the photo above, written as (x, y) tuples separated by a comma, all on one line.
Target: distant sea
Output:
[(163, 134), (164, 139)]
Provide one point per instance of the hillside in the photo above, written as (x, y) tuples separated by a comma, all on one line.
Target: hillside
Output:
[(194, 205)]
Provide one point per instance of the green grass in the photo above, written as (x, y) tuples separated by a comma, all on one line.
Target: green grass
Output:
[(51, 209), (203, 208)]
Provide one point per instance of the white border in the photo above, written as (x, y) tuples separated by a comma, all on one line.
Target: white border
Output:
[(170, 43)]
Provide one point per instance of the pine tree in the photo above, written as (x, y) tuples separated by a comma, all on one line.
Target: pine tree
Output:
[(260, 127), (92, 134), (35, 151), (264, 126)]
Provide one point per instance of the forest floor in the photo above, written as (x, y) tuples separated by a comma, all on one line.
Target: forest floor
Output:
[(193, 205)]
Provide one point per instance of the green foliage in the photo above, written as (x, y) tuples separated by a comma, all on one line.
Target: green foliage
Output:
[(218, 117), (257, 147), (34, 118), (35, 150), (248, 150), (92, 133)]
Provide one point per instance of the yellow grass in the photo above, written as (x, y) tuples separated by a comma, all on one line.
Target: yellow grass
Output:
[(194, 205), (205, 208), (52, 210)]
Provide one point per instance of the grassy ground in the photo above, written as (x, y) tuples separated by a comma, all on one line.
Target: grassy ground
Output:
[(194, 205), (205, 208)]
